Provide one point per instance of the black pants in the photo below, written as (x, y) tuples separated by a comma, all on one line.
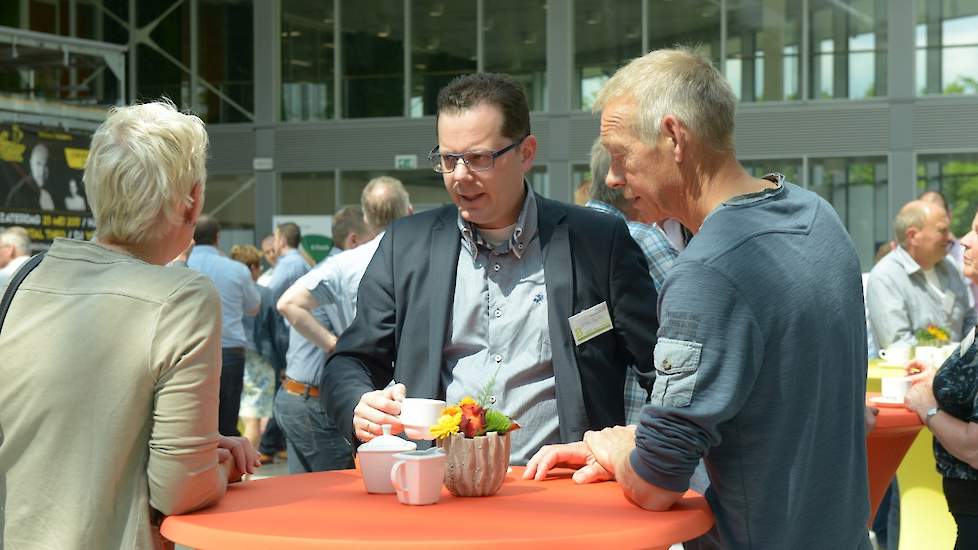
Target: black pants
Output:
[(232, 380), (962, 501)]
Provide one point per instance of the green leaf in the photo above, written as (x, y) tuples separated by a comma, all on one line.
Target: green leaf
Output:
[(497, 421)]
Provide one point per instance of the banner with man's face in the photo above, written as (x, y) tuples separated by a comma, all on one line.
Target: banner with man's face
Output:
[(41, 185)]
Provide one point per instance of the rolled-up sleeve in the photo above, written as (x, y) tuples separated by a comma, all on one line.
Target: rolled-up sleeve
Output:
[(707, 358), (183, 471)]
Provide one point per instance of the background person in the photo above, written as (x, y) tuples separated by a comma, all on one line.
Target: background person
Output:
[(125, 422), (320, 306), (15, 249), (258, 388), (916, 285), (239, 297), (946, 400)]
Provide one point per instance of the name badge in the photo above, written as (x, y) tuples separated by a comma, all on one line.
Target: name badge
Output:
[(591, 322), (968, 340)]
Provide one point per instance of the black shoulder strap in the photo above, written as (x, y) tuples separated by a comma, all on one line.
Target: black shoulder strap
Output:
[(19, 276)]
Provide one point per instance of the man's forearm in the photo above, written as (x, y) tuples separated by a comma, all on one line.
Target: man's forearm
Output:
[(303, 321)]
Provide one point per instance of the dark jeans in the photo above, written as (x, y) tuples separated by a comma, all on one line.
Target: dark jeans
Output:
[(886, 524), (232, 380), (314, 443), (272, 439)]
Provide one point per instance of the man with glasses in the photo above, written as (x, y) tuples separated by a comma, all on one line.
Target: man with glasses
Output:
[(493, 288)]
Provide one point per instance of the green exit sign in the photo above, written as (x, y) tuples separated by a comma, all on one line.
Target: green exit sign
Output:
[(405, 162)]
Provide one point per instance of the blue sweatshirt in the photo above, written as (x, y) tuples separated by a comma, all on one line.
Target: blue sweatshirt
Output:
[(761, 371)]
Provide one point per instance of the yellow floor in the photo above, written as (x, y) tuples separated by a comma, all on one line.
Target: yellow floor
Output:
[(925, 523)]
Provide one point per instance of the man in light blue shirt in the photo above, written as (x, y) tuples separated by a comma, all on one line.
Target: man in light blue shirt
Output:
[(291, 265), (916, 285), (317, 317), (239, 297)]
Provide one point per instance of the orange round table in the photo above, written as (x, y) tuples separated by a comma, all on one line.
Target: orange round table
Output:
[(332, 510), (886, 445)]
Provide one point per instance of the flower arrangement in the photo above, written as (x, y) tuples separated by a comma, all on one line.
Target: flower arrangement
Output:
[(932, 335), (473, 417)]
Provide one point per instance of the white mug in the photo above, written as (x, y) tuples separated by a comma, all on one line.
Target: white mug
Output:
[(895, 354), (895, 388), (418, 415), (417, 476), (930, 355)]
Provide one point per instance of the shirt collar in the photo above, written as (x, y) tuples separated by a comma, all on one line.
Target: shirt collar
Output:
[(205, 249), (906, 261), (605, 207), (526, 229)]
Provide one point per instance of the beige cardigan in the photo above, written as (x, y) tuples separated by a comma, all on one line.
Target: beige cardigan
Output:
[(109, 379)]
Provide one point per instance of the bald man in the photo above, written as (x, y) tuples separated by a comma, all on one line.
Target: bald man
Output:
[(916, 285)]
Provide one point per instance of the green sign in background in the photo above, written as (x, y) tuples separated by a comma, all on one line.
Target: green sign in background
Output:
[(318, 246)]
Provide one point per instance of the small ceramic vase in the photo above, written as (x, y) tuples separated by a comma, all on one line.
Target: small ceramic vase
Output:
[(475, 467)]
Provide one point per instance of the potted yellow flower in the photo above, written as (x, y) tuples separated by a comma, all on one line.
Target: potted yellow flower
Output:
[(476, 442)]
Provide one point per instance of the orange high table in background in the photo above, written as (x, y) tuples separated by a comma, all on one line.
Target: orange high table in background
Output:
[(333, 510), (896, 428)]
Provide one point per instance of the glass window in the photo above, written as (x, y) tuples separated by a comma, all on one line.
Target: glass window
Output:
[(156, 73), (607, 34), (443, 46), (857, 188), (947, 47), (697, 24), (848, 48), (791, 168), (308, 44), (373, 58), (231, 200), (225, 42), (763, 45), (956, 177), (426, 187), (307, 193), (515, 43)]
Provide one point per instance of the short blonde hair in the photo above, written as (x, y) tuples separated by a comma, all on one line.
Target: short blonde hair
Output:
[(680, 82), (246, 254), (384, 200), (144, 159)]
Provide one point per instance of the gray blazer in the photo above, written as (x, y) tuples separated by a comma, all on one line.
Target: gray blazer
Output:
[(406, 296)]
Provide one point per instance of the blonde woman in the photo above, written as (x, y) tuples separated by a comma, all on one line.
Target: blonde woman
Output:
[(110, 365)]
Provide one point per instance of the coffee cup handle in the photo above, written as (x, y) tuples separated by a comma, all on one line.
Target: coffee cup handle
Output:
[(397, 475)]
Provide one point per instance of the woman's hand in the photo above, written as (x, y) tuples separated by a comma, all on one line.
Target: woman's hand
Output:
[(238, 455), (918, 371)]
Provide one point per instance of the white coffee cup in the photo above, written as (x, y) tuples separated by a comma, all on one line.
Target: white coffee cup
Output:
[(895, 388), (417, 476), (418, 415), (930, 355), (895, 354)]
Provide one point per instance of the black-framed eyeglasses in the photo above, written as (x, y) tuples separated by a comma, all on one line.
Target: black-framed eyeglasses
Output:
[(477, 161)]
